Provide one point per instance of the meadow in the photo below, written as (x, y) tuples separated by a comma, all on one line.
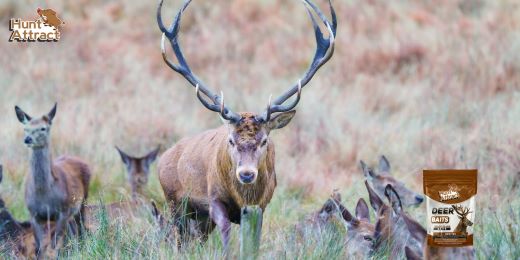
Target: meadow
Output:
[(429, 84)]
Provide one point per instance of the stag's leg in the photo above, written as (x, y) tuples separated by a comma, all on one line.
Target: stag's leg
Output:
[(38, 235), (219, 215)]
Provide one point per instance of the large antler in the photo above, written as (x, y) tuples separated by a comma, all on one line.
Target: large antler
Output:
[(217, 102), (324, 51), (461, 211)]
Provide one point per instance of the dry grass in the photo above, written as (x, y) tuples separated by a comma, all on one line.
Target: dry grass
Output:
[(430, 84)]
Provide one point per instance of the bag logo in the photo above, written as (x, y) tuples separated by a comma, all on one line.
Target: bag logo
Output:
[(451, 194)]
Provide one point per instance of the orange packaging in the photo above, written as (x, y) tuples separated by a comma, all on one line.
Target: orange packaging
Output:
[(450, 201)]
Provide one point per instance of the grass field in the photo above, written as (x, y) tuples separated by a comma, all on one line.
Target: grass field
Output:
[(430, 84)]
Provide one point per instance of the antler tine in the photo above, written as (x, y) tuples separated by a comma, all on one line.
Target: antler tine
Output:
[(184, 69), (324, 51)]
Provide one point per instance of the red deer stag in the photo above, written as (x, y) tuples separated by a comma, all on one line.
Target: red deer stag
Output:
[(54, 190), (216, 173)]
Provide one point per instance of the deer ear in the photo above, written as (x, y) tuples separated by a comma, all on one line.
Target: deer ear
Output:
[(125, 157), (52, 113), (393, 198), (349, 218), (369, 173), (150, 158), (23, 117), (281, 120), (384, 164), (416, 230), (362, 210), (375, 200), (411, 255)]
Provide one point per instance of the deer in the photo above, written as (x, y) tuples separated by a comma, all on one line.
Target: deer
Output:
[(212, 175), (390, 231), (380, 179), (360, 232), (464, 222), (434, 253), (55, 190), (138, 170)]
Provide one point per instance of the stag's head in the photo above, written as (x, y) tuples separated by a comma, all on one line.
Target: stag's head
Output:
[(138, 169), (37, 130), (463, 213), (248, 132), (383, 177)]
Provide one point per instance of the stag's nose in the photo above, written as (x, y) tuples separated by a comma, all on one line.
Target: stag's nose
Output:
[(28, 140), (247, 176), (419, 199)]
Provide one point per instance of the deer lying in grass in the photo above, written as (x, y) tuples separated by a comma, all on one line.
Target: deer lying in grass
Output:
[(211, 176), (54, 190), (360, 232), (16, 238), (138, 169), (380, 179), (434, 253), (391, 233), (14, 235)]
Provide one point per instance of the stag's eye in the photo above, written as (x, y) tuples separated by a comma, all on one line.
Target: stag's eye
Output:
[(231, 142)]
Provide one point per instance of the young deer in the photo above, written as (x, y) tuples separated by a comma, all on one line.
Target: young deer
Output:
[(391, 232), (138, 169), (464, 222), (211, 176), (54, 190), (360, 232), (380, 179)]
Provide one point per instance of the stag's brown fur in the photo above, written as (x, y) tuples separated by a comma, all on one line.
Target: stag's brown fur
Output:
[(201, 170)]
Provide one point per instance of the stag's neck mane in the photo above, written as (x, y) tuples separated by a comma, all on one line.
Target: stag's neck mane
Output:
[(41, 169), (250, 194)]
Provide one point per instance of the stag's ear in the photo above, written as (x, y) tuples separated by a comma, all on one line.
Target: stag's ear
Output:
[(52, 113), (375, 200), (150, 158), (23, 117), (393, 198), (411, 255), (362, 210), (416, 230), (125, 157), (384, 164), (281, 120), (369, 173)]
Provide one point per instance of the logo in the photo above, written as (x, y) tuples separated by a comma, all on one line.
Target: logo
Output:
[(451, 194), (46, 28)]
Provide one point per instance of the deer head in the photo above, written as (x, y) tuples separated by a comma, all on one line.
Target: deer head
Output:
[(138, 169), (381, 178), (248, 132), (463, 213), (37, 130)]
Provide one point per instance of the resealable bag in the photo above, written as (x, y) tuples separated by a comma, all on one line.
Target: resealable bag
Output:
[(450, 201)]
